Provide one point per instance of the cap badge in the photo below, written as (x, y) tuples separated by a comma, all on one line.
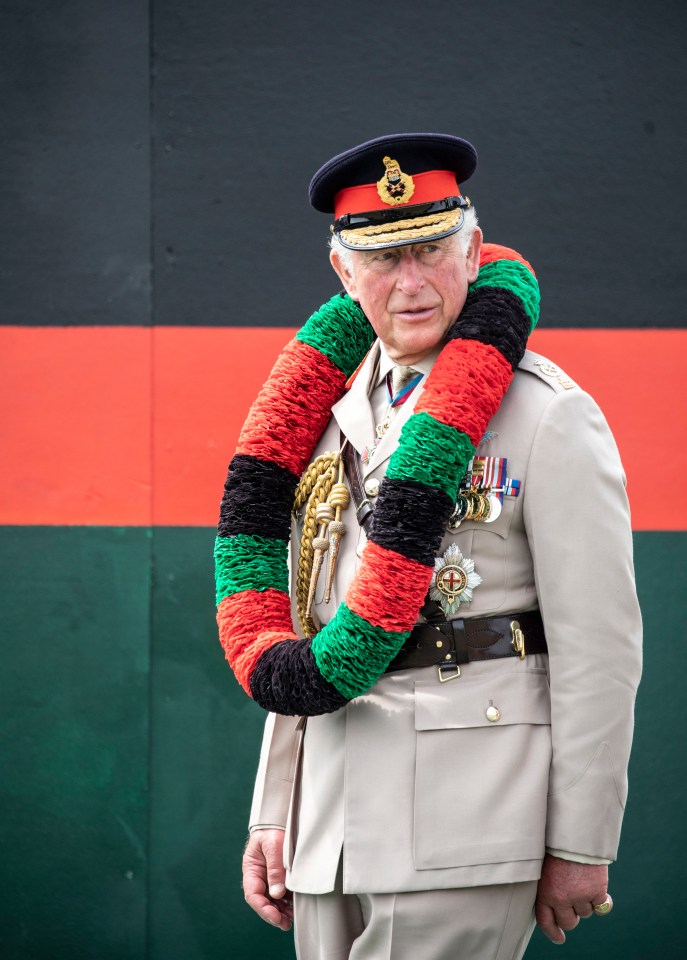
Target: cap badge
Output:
[(395, 186)]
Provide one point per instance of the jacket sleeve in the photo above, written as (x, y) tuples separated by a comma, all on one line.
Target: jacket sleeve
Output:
[(578, 525), (276, 771)]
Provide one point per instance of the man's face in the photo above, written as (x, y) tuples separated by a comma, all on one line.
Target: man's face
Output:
[(412, 294)]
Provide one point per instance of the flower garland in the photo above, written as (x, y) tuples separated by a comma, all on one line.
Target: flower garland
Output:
[(464, 390)]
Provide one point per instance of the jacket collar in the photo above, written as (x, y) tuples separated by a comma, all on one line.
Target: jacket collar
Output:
[(353, 412)]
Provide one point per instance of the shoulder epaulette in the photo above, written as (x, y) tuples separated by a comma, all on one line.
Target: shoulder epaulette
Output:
[(556, 378)]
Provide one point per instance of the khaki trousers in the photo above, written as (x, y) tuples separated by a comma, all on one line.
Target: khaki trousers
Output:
[(471, 923)]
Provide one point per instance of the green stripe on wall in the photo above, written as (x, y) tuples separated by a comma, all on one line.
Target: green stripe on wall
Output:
[(129, 753), (74, 731), (206, 742)]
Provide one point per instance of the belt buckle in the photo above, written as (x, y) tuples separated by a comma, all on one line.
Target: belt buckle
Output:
[(518, 641), (448, 666)]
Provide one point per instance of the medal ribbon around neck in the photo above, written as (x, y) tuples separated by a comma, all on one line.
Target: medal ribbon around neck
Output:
[(400, 397), (309, 677)]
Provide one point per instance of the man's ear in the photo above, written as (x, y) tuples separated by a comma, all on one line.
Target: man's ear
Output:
[(344, 274), (472, 262)]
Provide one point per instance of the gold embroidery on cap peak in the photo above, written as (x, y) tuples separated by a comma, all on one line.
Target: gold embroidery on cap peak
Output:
[(395, 186), (409, 230)]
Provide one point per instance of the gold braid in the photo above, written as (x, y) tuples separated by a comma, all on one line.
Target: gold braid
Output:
[(315, 486), (310, 478)]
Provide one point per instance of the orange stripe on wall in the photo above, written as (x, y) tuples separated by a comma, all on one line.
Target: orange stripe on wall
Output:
[(75, 409), (130, 426), (205, 382)]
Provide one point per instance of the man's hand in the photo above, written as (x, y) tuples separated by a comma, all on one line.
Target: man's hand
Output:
[(567, 891), (264, 878)]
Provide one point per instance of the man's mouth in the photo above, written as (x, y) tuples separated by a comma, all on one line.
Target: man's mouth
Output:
[(416, 313)]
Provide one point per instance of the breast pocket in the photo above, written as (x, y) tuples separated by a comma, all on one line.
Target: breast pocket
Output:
[(482, 765), (487, 545)]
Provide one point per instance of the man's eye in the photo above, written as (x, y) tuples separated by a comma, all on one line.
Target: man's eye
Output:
[(385, 256)]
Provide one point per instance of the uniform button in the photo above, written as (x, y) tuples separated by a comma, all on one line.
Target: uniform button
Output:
[(372, 487), (493, 714)]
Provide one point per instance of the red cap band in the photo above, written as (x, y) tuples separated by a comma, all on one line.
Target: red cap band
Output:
[(430, 186)]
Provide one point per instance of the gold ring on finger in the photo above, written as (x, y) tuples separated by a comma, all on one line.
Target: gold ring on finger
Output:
[(601, 909)]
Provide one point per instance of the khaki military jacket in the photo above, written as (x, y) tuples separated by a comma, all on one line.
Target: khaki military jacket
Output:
[(412, 783)]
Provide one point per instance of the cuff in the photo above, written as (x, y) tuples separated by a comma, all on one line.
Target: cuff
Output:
[(577, 857)]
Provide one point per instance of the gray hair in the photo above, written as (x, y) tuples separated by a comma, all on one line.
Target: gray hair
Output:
[(464, 235)]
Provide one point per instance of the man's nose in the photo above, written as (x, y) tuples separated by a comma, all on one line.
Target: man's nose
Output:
[(410, 278)]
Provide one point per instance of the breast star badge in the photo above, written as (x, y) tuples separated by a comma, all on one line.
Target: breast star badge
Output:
[(453, 581)]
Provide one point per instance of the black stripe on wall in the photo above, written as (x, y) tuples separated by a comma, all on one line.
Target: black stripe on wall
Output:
[(176, 140)]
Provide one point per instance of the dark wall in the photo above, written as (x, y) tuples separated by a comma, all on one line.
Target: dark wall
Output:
[(75, 162), (154, 166), (192, 129)]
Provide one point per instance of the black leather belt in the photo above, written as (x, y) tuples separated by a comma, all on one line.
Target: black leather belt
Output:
[(449, 643)]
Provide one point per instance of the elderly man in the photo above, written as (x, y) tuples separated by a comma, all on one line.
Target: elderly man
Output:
[(467, 663)]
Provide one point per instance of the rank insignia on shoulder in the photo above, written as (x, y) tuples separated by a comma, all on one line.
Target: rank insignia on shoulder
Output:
[(551, 370), (454, 580)]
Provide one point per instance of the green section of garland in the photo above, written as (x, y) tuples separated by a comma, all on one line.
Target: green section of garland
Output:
[(352, 654), (432, 453), (245, 562), (514, 276), (341, 331)]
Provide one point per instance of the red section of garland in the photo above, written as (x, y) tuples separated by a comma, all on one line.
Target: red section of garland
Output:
[(493, 251), (469, 381), (240, 619), (388, 589), (292, 408)]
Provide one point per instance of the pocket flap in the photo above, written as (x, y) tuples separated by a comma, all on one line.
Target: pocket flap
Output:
[(463, 702), (500, 526)]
